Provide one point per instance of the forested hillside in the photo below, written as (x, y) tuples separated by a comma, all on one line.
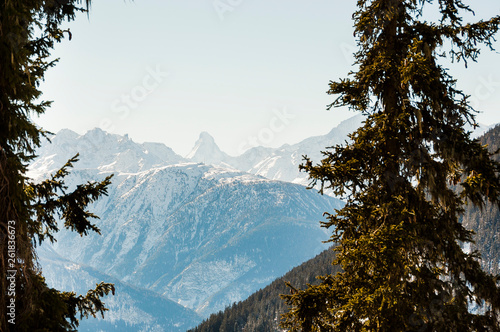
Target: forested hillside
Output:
[(262, 310), (486, 222)]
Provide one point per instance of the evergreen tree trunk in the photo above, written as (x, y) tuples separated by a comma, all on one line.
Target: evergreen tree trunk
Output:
[(399, 234)]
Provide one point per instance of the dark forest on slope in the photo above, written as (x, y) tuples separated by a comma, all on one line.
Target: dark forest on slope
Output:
[(486, 223), (262, 310)]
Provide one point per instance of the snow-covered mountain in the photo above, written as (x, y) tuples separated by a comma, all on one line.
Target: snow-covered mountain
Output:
[(207, 151), (102, 151), (274, 163), (283, 163), (192, 231), (202, 236)]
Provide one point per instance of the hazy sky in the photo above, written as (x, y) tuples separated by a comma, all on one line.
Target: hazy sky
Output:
[(246, 71)]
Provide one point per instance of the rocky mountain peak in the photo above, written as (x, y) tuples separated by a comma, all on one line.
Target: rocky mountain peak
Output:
[(207, 151)]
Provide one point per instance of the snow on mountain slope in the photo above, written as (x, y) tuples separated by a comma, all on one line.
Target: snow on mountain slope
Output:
[(200, 235), (191, 231), (103, 151), (130, 309)]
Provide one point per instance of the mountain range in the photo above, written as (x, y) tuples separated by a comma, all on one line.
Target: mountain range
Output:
[(274, 163), (283, 163), (193, 233), (197, 235)]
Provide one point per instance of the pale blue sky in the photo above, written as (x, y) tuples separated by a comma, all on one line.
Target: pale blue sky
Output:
[(245, 71)]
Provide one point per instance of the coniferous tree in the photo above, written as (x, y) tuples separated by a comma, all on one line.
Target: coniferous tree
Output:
[(399, 236), (28, 211)]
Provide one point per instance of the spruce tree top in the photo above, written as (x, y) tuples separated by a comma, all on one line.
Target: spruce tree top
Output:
[(406, 175)]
